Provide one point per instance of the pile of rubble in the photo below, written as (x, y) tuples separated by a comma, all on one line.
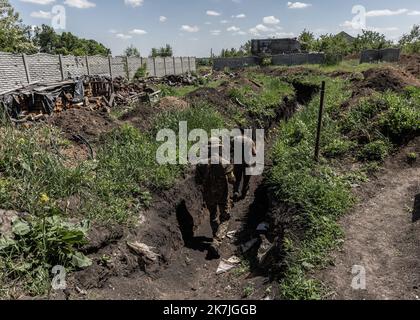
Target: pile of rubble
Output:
[(39, 100)]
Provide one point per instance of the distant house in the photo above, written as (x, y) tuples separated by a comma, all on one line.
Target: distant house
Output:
[(346, 36), (275, 46)]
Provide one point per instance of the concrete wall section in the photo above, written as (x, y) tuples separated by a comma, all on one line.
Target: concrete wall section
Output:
[(44, 67), (74, 66), (99, 65), (234, 63), (12, 72), (17, 70)]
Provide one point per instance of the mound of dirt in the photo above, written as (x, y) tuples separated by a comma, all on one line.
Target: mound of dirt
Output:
[(172, 104), (86, 123), (387, 78), (291, 71), (411, 63), (141, 117), (217, 99)]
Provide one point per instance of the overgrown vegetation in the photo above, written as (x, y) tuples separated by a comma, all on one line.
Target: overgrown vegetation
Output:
[(262, 102), (37, 180), (317, 193)]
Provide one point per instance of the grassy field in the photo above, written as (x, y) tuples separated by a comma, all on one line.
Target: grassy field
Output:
[(37, 179)]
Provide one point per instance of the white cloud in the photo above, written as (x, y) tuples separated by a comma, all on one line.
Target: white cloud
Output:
[(207, 23), (240, 16), (281, 34), (134, 3), (213, 13), (384, 29), (123, 36), (138, 32), (41, 14), (414, 13), (41, 2), (233, 29), (298, 5), (271, 20), (224, 21), (385, 13), (215, 32), (163, 19), (260, 28), (80, 4), (190, 29)]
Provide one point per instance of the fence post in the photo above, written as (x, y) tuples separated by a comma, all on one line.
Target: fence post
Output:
[(60, 59), (110, 73), (182, 65), (87, 65), (127, 66), (26, 66), (154, 66), (164, 65), (189, 64), (174, 62), (321, 112)]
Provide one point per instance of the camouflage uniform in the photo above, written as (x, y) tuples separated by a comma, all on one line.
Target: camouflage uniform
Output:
[(215, 179), (245, 143)]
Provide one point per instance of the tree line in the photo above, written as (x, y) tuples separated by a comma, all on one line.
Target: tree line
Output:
[(15, 37), (341, 44)]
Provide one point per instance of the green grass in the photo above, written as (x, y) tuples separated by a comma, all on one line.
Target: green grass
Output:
[(112, 189), (318, 194), (262, 104), (185, 90)]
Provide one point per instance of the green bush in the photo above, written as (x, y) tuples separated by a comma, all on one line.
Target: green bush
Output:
[(141, 72), (338, 147), (38, 245), (375, 151)]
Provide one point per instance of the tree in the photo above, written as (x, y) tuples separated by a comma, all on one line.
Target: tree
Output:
[(244, 50), (306, 40), (162, 52), (132, 51), (370, 40), (48, 41), (14, 36), (334, 46), (411, 42)]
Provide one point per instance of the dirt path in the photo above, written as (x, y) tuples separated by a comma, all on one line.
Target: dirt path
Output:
[(382, 234), (191, 275)]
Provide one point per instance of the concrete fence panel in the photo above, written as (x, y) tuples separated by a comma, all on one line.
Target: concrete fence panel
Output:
[(44, 67), (99, 65), (119, 66), (178, 66), (12, 71), (234, 63), (169, 65), (316, 58), (18, 70), (134, 64), (390, 55), (74, 66), (192, 64)]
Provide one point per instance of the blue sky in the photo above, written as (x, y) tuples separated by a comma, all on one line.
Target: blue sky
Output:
[(193, 27)]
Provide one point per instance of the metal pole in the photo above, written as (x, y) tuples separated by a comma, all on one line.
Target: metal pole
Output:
[(321, 112)]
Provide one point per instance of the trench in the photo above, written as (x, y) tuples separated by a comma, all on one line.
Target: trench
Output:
[(180, 232)]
